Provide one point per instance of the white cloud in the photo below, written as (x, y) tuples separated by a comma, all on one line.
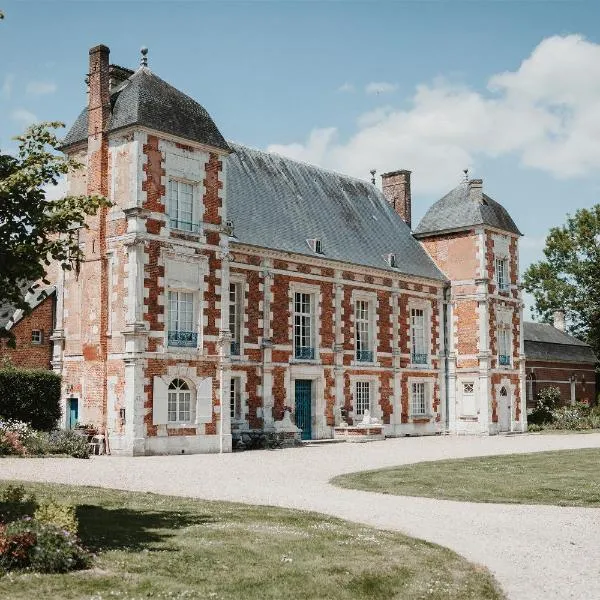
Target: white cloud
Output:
[(40, 88), (380, 87), (7, 86), (346, 88), (24, 116), (54, 192), (546, 112)]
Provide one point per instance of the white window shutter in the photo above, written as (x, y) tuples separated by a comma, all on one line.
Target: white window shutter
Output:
[(204, 408), (160, 414)]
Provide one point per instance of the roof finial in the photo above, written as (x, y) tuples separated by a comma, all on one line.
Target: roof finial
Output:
[(373, 171), (466, 172), (144, 59)]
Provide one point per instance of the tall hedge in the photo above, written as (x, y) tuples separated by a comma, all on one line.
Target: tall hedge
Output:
[(30, 395)]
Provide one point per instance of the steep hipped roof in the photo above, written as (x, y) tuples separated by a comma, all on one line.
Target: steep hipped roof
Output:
[(145, 99), (463, 207), (544, 342), (34, 295), (279, 203)]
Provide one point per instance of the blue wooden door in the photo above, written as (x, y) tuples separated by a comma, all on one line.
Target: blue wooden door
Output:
[(303, 407), (73, 412)]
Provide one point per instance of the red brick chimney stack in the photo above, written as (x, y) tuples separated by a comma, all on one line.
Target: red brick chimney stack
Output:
[(396, 189)]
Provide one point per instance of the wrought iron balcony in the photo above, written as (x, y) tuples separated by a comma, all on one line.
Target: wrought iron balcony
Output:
[(235, 348), (304, 352), (504, 360), (364, 355), (184, 225), (187, 339), (419, 359), (503, 286)]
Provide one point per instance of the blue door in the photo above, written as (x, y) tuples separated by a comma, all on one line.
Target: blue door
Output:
[(73, 412), (303, 407)]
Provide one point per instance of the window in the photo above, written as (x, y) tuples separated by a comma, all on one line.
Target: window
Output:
[(179, 402), (181, 320), (303, 326), (418, 405), (502, 274), (235, 317), (419, 350), (468, 388), (181, 206), (234, 399), (36, 336), (316, 245), (504, 346), (363, 326), (363, 397)]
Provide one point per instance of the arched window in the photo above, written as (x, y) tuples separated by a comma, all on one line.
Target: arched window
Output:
[(180, 402), (503, 392)]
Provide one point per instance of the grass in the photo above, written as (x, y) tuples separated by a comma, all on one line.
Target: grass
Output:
[(564, 478), (151, 546)]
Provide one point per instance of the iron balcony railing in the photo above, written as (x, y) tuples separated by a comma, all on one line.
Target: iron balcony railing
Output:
[(419, 359), (304, 352), (184, 225), (235, 348), (364, 355), (187, 339), (504, 360), (503, 286)]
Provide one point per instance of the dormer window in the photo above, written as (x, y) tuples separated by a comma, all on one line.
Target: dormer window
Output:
[(390, 259), (315, 245)]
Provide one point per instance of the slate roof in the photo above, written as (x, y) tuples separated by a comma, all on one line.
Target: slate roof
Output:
[(544, 342), (279, 203), (145, 99), (463, 207), (34, 296)]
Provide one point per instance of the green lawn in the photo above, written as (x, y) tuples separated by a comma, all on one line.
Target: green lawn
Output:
[(151, 546), (565, 478)]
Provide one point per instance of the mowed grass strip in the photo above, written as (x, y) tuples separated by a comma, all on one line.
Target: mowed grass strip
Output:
[(152, 546), (564, 478)]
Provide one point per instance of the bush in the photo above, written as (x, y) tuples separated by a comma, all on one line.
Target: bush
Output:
[(41, 547), (31, 395), (65, 441), (547, 401), (15, 503), (61, 515)]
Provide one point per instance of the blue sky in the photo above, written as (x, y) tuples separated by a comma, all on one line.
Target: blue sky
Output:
[(506, 88)]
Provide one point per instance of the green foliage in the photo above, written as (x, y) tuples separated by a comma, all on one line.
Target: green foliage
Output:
[(61, 515), (35, 231), (15, 503), (547, 401), (569, 277), (41, 547), (65, 441), (31, 395)]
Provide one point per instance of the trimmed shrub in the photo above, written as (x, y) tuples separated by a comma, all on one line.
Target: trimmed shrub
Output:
[(30, 395), (61, 515), (66, 441), (15, 503)]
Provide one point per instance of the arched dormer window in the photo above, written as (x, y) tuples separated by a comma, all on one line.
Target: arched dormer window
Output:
[(180, 404)]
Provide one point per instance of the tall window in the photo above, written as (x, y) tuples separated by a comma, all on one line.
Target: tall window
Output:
[(180, 402), (234, 399), (181, 319), (504, 346), (235, 317), (363, 397), (418, 399), (363, 338), (303, 326), (502, 273), (419, 350), (181, 206)]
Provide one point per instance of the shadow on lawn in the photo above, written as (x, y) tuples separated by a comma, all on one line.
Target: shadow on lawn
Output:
[(124, 529)]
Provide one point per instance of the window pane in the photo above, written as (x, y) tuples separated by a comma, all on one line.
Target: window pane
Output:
[(363, 400)]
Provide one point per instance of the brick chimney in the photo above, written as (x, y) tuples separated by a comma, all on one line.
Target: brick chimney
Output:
[(559, 320), (396, 189), (476, 190)]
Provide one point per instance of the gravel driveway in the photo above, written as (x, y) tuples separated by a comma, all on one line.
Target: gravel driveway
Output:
[(536, 552)]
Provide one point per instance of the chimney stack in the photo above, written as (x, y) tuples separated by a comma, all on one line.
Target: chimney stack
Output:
[(476, 190), (396, 189), (559, 320)]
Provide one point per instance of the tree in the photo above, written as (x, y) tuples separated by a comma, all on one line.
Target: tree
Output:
[(33, 230), (569, 277)]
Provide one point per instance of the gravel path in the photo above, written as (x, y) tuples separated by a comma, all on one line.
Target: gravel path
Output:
[(536, 552)]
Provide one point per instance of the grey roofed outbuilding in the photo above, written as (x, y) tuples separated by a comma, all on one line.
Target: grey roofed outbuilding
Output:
[(145, 99), (279, 203), (545, 342), (462, 208), (34, 295)]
